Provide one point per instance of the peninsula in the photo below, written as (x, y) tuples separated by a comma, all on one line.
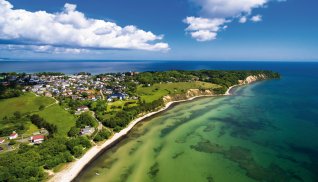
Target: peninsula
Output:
[(52, 124)]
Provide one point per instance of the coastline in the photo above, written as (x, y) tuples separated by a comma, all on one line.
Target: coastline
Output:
[(72, 169)]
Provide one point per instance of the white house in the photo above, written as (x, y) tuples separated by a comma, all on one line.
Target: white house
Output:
[(14, 135), (37, 139), (87, 130), (83, 108)]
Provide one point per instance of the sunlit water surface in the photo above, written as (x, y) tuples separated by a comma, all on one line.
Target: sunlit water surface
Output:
[(267, 131)]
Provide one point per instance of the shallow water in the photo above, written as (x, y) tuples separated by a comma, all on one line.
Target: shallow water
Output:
[(266, 131)]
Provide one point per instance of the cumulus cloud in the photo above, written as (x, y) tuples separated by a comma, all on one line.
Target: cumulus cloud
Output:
[(43, 49), (256, 18), (243, 19), (71, 30), (227, 10), (204, 29)]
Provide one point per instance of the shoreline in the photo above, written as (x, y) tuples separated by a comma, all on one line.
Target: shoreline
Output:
[(72, 169)]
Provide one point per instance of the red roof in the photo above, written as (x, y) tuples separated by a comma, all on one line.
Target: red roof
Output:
[(38, 137), (13, 134)]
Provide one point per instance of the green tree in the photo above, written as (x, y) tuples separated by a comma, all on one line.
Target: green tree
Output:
[(17, 114), (78, 150), (74, 131), (42, 107), (86, 119)]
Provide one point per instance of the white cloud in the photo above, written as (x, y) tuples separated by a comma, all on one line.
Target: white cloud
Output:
[(256, 18), (203, 35), (228, 8), (43, 49), (70, 29), (210, 10), (204, 29), (243, 19)]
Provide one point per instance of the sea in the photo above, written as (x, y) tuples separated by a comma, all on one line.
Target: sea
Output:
[(266, 131)]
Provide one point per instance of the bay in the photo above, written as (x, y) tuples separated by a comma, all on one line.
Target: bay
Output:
[(266, 131)]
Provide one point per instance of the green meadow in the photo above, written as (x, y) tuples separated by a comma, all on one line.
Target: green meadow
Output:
[(55, 114), (156, 91), (29, 104)]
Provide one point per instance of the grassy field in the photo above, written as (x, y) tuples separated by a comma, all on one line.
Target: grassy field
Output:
[(29, 103), (31, 129), (55, 114), (25, 103), (120, 103), (157, 91)]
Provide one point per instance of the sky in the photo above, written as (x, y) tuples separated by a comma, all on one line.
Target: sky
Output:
[(244, 30)]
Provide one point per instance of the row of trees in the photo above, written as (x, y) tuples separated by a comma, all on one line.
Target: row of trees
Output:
[(166, 76), (220, 77), (29, 162), (10, 91), (102, 135), (42, 123)]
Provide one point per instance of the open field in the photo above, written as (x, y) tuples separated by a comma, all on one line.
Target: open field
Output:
[(55, 114), (157, 91), (29, 103), (119, 105), (26, 103)]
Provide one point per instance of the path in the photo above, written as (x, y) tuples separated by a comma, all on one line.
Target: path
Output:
[(102, 94)]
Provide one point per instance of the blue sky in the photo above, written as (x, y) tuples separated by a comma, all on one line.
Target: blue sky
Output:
[(160, 29)]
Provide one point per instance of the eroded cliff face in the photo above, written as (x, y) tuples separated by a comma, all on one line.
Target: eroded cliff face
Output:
[(252, 78), (196, 92), (189, 94)]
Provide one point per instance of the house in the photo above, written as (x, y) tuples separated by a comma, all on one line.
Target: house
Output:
[(37, 139), (74, 97), (2, 140), (92, 97), (119, 96), (14, 135), (83, 109), (87, 130), (47, 94)]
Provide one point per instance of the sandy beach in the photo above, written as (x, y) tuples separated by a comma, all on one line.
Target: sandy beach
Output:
[(74, 168)]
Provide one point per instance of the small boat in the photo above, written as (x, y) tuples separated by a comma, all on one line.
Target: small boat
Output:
[(97, 174)]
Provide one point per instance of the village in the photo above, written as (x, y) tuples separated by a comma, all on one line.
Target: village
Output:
[(80, 88)]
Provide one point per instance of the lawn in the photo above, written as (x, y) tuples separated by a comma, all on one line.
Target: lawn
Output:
[(61, 118), (120, 103), (31, 129), (157, 91), (29, 103), (26, 103)]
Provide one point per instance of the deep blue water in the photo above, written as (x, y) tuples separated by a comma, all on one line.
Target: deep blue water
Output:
[(95, 67)]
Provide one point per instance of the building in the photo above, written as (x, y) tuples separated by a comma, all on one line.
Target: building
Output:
[(14, 135), (87, 130), (119, 96), (83, 109), (37, 139), (2, 140)]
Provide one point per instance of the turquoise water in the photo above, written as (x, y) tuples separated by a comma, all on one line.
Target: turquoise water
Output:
[(267, 131)]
